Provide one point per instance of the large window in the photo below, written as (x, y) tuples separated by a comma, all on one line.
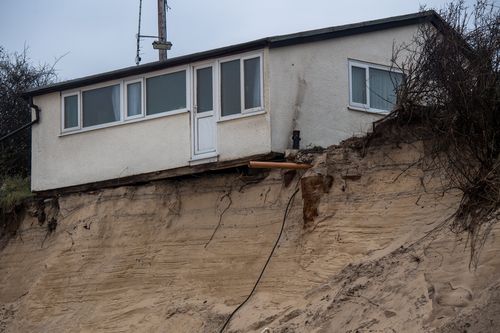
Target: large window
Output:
[(240, 86), (126, 100), (101, 106), (166, 93), (373, 87)]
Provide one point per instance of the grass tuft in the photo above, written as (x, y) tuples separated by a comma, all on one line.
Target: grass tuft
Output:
[(13, 191)]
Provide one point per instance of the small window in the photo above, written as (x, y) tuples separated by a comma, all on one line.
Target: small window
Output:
[(133, 99), (373, 87), (101, 106), (230, 88), (70, 114), (166, 93), (252, 83), (241, 86), (358, 84)]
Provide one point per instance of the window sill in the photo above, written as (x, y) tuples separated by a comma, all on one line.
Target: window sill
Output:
[(204, 158), (372, 111), (123, 122), (241, 115)]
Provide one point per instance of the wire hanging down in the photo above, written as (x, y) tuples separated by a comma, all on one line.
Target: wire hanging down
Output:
[(287, 210)]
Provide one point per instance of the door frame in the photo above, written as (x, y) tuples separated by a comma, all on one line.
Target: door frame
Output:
[(209, 154)]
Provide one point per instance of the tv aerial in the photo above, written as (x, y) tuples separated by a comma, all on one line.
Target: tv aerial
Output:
[(161, 44)]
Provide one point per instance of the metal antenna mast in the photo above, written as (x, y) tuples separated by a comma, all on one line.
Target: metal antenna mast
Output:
[(162, 45)]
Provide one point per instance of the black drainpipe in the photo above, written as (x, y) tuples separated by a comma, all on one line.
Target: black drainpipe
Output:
[(296, 139), (36, 120)]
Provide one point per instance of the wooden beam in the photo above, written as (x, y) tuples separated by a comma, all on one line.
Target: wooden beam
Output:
[(277, 165), (158, 175)]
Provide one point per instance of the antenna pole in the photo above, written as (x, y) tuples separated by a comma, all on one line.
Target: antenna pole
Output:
[(162, 28), (137, 56)]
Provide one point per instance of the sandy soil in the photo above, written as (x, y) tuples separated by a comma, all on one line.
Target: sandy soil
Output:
[(364, 250)]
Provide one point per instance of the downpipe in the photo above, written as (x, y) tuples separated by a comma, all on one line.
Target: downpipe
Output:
[(34, 121)]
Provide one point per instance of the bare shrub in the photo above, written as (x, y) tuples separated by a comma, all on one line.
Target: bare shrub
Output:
[(17, 74), (450, 99)]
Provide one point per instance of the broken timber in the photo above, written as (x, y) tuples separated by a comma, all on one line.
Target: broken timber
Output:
[(277, 165)]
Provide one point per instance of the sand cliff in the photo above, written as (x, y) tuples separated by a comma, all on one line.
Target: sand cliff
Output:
[(365, 249)]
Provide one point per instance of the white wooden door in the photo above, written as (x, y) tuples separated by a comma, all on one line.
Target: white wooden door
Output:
[(204, 135)]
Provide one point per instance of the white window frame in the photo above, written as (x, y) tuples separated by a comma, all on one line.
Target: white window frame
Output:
[(166, 72), (126, 83), (98, 86), (243, 112), (366, 65), (123, 111), (79, 112)]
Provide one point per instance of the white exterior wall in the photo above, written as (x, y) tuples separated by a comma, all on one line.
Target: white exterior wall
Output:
[(106, 153), (310, 87), (134, 148), (244, 137)]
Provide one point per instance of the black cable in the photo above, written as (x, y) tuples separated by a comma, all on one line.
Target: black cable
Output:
[(265, 265)]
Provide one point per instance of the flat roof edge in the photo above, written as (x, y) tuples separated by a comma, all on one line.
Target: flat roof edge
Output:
[(149, 67), (353, 29), (271, 42)]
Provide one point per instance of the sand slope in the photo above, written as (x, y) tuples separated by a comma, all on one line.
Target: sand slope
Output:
[(180, 255)]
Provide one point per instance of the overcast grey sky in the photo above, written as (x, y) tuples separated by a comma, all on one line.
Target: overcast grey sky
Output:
[(99, 35)]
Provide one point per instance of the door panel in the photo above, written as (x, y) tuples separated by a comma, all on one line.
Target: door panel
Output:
[(205, 134), (203, 111)]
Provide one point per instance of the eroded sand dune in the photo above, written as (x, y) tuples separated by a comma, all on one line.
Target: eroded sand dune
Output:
[(357, 254)]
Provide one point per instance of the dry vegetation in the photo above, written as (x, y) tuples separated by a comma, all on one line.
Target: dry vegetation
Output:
[(450, 99), (13, 192)]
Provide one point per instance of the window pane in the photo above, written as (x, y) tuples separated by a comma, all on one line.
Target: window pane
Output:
[(358, 84), (383, 85), (71, 111), (166, 93), (230, 88), (134, 94), (101, 105), (252, 83), (204, 89)]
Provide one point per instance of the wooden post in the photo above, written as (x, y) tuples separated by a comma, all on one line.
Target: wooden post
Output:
[(162, 28)]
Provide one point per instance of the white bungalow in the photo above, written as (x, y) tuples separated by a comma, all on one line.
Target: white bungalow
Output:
[(218, 108)]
